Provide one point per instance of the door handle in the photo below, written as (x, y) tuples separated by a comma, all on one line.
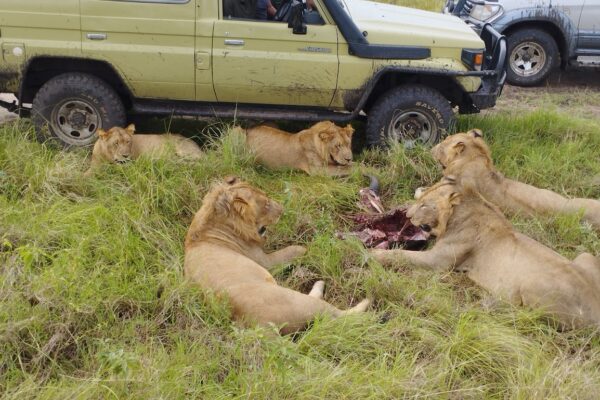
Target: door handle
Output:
[(234, 42), (96, 36)]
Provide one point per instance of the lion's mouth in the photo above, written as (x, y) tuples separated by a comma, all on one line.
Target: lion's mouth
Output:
[(425, 227), (262, 231), (336, 162), (123, 161)]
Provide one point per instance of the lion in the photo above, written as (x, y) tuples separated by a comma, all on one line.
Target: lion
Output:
[(324, 148), (474, 237), (467, 156), (224, 254), (120, 145)]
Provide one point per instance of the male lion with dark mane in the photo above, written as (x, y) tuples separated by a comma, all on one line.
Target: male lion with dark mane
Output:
[(119, 145), (474, 237), (467, 157), (324, 148), (224, 253)]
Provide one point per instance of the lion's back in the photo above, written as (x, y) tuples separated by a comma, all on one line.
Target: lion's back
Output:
[(274, 148)]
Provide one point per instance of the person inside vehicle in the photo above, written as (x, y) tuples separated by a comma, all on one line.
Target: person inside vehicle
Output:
[(264, 10)]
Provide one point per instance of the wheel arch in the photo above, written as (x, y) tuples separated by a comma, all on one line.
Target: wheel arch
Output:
[(388, 79), (41, 69), (549, 26)]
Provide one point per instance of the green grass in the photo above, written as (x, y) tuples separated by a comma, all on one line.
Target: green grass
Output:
[(93, 303)]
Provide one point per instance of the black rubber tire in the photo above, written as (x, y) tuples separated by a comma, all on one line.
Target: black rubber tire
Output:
[(542, 39), (107, 108), (422, 100)]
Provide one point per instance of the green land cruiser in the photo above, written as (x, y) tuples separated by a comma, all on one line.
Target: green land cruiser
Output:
[(79, 65)]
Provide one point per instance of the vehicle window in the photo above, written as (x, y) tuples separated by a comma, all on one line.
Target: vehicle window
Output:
[(157, 1), (268, 10)]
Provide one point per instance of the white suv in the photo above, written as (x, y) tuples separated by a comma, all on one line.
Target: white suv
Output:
[(541, 34)]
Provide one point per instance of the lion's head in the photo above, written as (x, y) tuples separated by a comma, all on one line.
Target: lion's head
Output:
[(334, 142), (462, 147), (234, 207), (433, 208), (114, 145)]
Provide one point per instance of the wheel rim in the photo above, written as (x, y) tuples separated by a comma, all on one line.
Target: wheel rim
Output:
[(75, 121), (411, 127), (527, 59)]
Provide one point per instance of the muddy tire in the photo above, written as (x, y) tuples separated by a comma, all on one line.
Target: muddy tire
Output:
[(409, 114), (532, 55), (70, 108)]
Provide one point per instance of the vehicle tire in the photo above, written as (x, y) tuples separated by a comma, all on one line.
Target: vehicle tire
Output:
[(532, 55), (73, 106), (409, 114)]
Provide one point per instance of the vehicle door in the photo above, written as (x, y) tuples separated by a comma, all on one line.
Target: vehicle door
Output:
[(38, 28), (264, 62), (589, 29), (150, 42)]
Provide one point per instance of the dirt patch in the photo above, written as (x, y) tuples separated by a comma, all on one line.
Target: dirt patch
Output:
[(575, 92), (5, 116)]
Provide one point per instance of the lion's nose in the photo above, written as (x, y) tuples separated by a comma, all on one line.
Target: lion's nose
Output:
[(425, 227)]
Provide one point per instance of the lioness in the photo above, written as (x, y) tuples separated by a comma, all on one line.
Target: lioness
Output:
[(467, 157), (322, 148), (119, 145), (474, 237), (224, 253)]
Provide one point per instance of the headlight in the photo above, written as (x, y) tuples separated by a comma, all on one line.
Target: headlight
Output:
[(485, 11)]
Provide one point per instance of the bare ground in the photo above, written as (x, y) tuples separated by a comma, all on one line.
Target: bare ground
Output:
[(574, 92), (5, 116)]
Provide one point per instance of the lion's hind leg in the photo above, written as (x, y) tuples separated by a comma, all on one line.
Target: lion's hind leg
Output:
[(359, 308), (317, 290), (590, 265), (590, 207)]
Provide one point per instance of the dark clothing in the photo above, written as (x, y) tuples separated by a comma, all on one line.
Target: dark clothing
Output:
[(245, 9), (261, 9)]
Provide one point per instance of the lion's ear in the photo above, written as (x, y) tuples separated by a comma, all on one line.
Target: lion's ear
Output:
[(476, 133), (454, 198), (231, 180), (325, 136), (102, 134), (348, 130), (459, 146), (130, 129)]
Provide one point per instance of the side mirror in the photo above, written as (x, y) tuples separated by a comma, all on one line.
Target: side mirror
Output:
[(296, 20)]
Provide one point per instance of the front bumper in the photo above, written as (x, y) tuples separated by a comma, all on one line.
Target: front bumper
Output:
[(493, 74)]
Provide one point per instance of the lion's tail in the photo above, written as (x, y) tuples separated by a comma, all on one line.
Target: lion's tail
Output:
[(373, 184)]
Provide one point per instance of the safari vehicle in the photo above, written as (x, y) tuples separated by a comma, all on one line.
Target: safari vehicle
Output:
[(80, 65), (541, 34)]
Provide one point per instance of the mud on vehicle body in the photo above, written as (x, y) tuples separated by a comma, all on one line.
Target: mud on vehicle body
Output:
[(404, 69), (541, 34)]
